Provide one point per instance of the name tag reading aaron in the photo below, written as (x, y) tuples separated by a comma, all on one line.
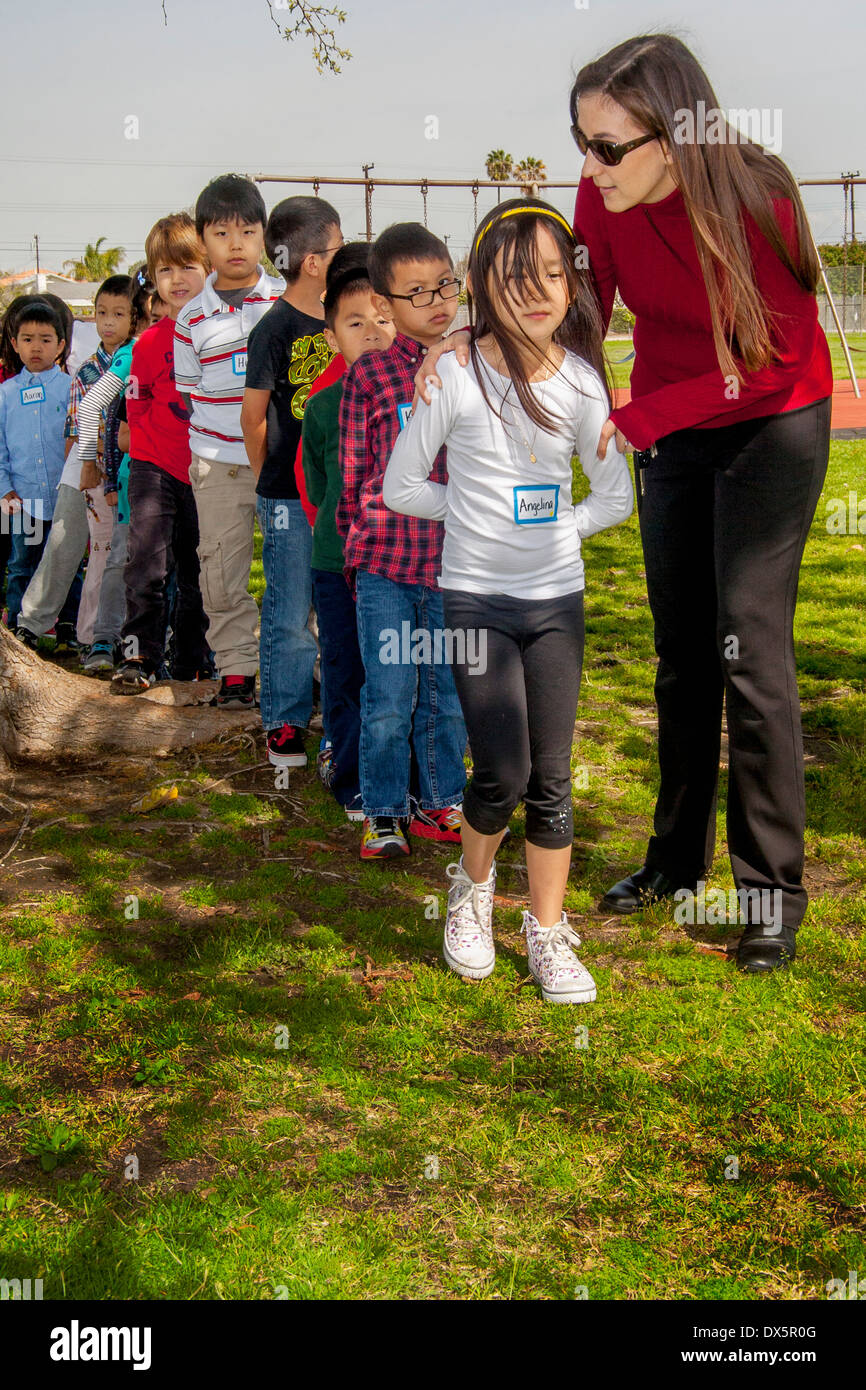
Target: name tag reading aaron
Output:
[(239, 363), (536, 502), (32, 395)]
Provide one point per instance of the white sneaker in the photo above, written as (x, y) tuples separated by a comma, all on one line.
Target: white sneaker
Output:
[(468, 943), (554, 965)]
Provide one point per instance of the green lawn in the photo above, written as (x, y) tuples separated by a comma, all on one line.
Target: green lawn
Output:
[(269, 1086), (619, 348)]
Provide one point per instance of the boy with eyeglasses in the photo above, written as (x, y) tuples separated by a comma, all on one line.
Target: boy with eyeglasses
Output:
[(286, 352), (408, 707)]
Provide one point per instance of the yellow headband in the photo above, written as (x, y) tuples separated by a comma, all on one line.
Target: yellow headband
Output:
[(512, 212)]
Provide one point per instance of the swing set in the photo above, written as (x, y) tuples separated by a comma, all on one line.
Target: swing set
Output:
[(846, 182)]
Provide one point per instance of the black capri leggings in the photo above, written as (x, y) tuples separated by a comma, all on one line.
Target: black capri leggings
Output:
[(518, 690)]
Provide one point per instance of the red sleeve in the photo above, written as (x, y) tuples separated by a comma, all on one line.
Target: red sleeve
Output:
[(334, 370), (589, 231), (139, 390), (711, 396)]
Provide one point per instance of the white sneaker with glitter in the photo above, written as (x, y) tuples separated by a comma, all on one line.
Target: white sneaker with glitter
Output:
[(468, 943), (554, 965)]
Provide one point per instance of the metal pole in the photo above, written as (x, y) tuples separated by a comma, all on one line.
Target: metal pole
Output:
[(368, 201), (845, 348), (36, 239)]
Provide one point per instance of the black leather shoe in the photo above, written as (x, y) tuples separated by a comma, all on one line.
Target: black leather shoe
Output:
[(761, 950), (641, 888)]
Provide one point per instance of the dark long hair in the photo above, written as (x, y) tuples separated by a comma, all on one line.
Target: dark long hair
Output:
[(515, 236), (656, 78), (8, 356)]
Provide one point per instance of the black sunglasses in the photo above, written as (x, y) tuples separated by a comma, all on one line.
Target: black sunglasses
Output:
[(605, 151)]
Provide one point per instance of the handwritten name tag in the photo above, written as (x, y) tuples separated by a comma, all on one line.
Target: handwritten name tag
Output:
[(239, 363), (536, 502), (32, 395)]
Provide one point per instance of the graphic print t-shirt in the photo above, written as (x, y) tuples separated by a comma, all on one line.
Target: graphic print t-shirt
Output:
[(286, 352)]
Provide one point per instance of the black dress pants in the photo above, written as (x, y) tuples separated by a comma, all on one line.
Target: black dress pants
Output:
[(724, 518)]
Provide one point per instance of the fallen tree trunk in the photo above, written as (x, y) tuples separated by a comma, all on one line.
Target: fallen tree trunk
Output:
[(49, 713)]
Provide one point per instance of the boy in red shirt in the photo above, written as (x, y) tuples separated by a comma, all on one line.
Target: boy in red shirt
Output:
[(163, 522)]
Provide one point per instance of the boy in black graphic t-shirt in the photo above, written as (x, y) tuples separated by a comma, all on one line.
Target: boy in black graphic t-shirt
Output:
[(286, 352)]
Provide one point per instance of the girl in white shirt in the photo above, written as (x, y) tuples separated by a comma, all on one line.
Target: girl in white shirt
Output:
[(512, 574)]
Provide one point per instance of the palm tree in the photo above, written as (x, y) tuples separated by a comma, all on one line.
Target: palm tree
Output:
[(531, 172), (96, 264), (499, 166)]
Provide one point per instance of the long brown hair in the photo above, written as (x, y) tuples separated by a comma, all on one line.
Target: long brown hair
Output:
[(581, 330), (656, 78)]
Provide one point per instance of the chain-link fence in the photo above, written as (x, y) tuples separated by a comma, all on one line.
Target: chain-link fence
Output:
[(848, 288)]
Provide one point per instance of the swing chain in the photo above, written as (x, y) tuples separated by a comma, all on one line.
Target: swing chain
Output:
[(475, 192), (424, 196)]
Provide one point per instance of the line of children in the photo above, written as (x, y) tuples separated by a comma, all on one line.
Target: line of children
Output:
[(259, 397)]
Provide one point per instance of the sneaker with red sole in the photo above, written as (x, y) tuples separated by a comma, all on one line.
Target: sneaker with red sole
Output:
[(236, 692), (286, 747), (383, 838), (443, 825)]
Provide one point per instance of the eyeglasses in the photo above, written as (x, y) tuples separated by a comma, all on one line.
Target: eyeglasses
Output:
[(331, 250), (605, 151), (422, 299)]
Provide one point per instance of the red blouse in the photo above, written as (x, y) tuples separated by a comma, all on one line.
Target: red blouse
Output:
[(648, 253)]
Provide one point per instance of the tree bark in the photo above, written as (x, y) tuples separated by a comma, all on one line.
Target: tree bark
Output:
[(48, 713)]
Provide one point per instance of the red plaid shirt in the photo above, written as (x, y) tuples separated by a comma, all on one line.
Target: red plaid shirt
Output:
[(377, 398)]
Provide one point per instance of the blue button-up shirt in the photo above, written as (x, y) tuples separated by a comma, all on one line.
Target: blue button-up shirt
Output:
[(33, 409)]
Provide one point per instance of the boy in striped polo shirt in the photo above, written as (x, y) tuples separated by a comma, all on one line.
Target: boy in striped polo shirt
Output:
[(210, 365)]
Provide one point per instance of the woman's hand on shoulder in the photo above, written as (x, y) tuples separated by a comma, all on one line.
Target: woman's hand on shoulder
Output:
[(426, 375)]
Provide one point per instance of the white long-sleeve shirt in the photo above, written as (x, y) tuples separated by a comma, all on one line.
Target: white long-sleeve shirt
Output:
[(510, 524)]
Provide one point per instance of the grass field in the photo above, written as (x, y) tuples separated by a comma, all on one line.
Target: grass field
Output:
[(620, 348), (233, 1066)]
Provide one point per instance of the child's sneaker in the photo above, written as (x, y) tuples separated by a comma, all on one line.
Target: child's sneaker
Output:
[(236, 692), (286, 747), (65, 643), (325, 763), (468, 942), (383, 838), (553, 964), (132, 677), (355, 808), (444, 825), (98, 658), (27, 637)]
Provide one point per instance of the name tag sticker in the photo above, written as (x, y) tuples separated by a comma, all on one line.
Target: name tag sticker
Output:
[(536, 502), (32, 395), (403, 413), (239, 363)]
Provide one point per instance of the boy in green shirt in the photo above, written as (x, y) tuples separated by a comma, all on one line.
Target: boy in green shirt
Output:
[(353, 326)]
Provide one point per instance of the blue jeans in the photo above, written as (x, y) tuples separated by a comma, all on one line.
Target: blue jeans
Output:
[(406, 708), (342, 679), (23, 564), (288, 648)]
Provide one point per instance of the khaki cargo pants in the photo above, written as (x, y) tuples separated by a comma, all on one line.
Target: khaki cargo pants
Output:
[(225, 499)]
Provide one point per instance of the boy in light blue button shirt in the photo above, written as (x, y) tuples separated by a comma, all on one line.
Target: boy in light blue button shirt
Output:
[(33, 408)]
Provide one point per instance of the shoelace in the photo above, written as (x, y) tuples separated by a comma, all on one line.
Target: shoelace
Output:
[(468, 890), (557, 944)]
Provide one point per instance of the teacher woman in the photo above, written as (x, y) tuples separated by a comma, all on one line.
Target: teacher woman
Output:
[(705, 237)]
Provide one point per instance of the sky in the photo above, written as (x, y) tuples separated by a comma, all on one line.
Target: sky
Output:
[(218, 88)]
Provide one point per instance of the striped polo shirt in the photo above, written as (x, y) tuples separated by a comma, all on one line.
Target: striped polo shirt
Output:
[(210, 364)]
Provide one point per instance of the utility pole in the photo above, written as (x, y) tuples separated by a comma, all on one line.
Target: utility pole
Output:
[(36, 239), (368, 199)]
